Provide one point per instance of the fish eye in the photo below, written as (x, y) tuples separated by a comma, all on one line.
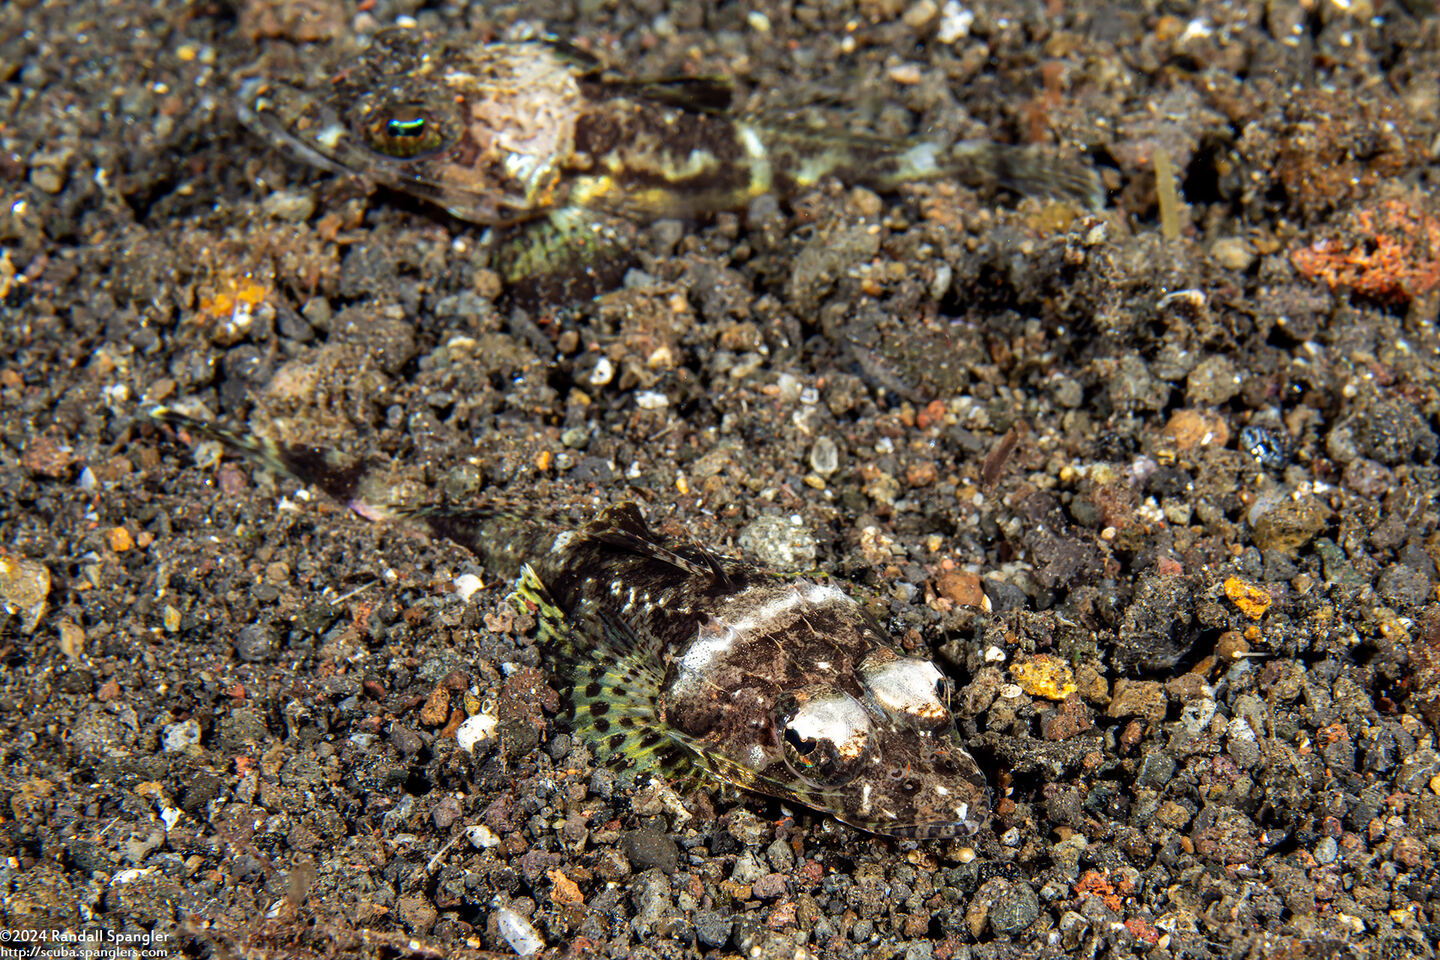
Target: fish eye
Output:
[(911, 690), (824, 735), (404, 132)]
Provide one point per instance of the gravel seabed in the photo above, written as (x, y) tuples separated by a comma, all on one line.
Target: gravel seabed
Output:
[(1156, 486)]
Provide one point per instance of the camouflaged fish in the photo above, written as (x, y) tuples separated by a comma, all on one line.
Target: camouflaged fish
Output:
[(539, 134), (690, 664)]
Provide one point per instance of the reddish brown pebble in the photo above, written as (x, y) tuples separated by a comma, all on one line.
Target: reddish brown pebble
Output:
[(46, 457), (961, 587), (1230, 646), (782, 916), (437, 707), (1189, 429), (231, 480), (1072, 717), (921, 474)]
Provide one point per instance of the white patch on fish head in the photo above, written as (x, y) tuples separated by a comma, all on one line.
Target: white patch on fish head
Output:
[(905, 689)]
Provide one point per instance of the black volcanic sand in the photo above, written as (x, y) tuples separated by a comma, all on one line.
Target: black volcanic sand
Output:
[(1155, 486)]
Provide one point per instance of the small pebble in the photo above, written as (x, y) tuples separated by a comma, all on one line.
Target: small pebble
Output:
[(175, 737), (603, 372), (825, 457), (650, 849), (467, 585), (779, 543), (475, 730), (254, 643), (24, 585), (520, 933)]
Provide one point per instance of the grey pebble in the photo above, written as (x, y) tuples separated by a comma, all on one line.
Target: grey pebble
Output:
[(650, 895), (178, 736), (769, 886), (1155, 770), (1014, 909), (748, 868), (1404, 586), (1326, 850), (747, 828), (254, 643), (648, 849), (602, 783), (779, 543), (405, 740), (712, 929), (446, 812), (781, 857)]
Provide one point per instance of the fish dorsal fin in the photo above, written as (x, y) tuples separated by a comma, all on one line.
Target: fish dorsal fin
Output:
[(584, 63), (701, 94), (330, 470), (704, 94), (622, 527), (614, 677)]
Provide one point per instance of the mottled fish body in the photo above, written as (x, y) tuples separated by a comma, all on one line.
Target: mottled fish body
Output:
[(508, 134), (674, 659)]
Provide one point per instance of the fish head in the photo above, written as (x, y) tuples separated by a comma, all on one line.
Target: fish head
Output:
[(482, 130), (889, 760)]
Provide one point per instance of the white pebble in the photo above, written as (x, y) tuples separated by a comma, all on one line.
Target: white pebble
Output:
[(177, 736), (481, 837), (520, 933), (603, 373), (130, 876), (475, 730), (955, 23), (467, 584), (651, 400)]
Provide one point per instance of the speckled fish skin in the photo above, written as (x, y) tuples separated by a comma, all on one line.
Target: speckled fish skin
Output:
[(503, 133), (691, 664)]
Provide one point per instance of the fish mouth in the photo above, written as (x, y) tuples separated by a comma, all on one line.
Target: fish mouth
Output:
[(268, 109)]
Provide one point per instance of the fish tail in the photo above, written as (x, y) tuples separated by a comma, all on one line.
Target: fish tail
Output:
[(335, 473), (1030, 170), (498, 535), (796, 159)]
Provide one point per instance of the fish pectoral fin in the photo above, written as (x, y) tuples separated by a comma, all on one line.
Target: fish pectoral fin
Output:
[(569, 255), (614, 677)]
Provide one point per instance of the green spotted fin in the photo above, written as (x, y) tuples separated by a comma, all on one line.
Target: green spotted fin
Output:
[(615, 678), (569, 255)]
